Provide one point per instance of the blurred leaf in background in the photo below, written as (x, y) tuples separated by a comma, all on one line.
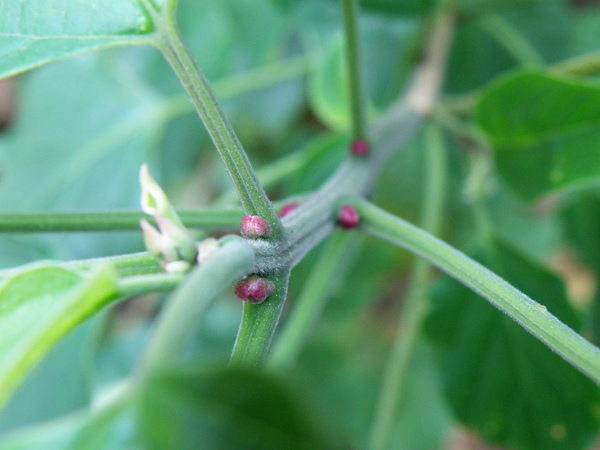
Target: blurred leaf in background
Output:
[(500, 380)]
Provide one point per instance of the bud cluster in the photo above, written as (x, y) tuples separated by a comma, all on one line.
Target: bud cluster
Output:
[(171, 242)]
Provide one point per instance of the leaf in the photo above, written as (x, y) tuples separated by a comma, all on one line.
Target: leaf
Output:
[(38, 307), (33, 33), (382, 40), (226, 409), (81, 147), (581, 216), (328, 88), (544, 129), (106, 427), (499, 379), (62, 379), (479, 54)]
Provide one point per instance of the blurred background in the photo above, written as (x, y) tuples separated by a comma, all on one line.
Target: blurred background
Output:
[(74, 134)]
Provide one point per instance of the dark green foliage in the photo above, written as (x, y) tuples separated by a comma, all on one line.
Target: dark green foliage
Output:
[(499, 379)]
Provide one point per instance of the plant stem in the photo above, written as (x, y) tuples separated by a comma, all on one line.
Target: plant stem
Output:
[(252, 195), (280, 169), (416, 306), (305, 228), (311, 301), (259, 323), (315, 219), (145, 284), (200, 288), (532, 316), (142, 263), (355, 85), (112, 220), (513, 41), (585, 65), (242, 83)]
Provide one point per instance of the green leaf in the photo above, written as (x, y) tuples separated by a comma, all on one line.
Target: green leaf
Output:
[(62, 379), (105, 428), (544, 129), (479, 53), (226, 409), (33, 33), (38, 307), (328, 88), (499, 379), (81, 147), (384, 49), (97, 129), (111, 424), (581, 216)]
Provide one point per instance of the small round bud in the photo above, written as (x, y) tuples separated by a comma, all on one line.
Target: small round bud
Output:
[(254, 227), (348, 217), (359, 147), (254, 289), (284, 211)]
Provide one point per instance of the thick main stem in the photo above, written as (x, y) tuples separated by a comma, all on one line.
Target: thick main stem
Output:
[(311, 301), (316, 218), (229, 263)]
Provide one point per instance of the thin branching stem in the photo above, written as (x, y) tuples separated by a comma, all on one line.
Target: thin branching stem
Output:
[(355, 84), (251, 193), (311, 301), (207, 218), (532, 316)]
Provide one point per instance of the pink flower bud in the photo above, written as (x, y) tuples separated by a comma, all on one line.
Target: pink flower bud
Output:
[(254, 289), (348, 217), (288, 209), (360, 147), (254, 227)]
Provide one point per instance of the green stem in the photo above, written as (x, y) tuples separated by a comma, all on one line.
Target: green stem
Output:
[(531, 315), (112, 220), (142, 263), (145, 284), (513, 41), (242, 83), (189, 302), (281, 169), (306, 227), (311, 301), (252, 195), (315, 219), (415, 307), (350, 10), (259, 323), (585, 65), (125, 265)]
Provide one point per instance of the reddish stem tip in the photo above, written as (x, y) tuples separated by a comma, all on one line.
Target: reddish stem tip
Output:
[(348, 217), (254, 289), (285, 210), (255, 227), (360, 147)]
